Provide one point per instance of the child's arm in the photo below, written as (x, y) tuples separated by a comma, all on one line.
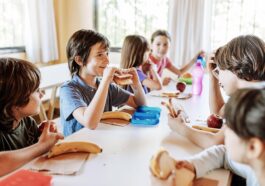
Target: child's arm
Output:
[(11, 160), (216, 101), (217, 157), (153, 83), (138, 99), (186, 67), (90, 116), (199, 137), (209, 159)]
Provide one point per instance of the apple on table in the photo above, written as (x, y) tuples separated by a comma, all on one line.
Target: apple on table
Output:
[(181, 86), (215, 121)]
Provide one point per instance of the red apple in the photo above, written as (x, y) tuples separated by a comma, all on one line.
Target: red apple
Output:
[(181, 86), (146, 67), (214, 121)]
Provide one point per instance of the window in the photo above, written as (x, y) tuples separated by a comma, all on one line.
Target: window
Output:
[(118, 18), (236, 17), (12, 26)]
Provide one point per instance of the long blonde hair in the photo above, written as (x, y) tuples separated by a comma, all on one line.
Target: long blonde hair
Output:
[(133, 50)]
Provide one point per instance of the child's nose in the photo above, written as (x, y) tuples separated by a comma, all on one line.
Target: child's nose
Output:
[(106, 60)]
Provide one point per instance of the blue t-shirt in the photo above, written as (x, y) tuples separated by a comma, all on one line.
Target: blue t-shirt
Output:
[(142, 77), (76, 93)]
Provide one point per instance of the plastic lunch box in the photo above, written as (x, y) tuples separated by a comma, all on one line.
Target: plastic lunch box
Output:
[(145, 115)]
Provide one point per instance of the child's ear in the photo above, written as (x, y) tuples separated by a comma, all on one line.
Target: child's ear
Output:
[(255, 148), (78, 60)]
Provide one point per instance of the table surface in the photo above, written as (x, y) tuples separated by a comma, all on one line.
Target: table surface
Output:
[(127, 150)]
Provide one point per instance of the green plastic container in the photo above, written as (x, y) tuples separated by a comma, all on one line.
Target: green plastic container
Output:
[(186, 80)]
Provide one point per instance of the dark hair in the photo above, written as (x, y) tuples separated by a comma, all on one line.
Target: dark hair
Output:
[(160, 33), (133, 49), (244, 56), (80, 44), (245, 113), (18, 80)]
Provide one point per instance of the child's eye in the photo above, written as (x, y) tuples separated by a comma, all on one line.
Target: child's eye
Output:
[(102, 54)]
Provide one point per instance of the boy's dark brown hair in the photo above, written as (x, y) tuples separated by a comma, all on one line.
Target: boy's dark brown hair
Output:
[(160, 33), (80, 44), (245, 113), (18, 80), (133, 50), (244, 56)]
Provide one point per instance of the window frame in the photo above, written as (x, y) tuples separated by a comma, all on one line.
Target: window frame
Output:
[(95, 20), (96, 25), (11, 50)]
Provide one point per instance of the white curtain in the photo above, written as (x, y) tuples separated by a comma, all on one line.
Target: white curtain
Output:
[(189, 27), (40, 37)]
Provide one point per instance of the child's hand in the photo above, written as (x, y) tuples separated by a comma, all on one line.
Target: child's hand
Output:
[(171, 180), (47, 138), (166, 81), (134, 74), (185, 164), (108, 73), (53, 127), (146, 67), (176, 124), (211, 65)]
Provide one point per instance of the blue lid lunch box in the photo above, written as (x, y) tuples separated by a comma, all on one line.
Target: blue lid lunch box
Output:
[(145, 115)]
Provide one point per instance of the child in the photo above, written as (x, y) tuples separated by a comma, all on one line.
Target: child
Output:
[(160, 42), (85, 97), (238, 64), (20, 138), (134, 53), (244, 140)]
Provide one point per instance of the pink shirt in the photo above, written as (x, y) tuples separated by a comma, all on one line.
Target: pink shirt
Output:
[(160, 64)]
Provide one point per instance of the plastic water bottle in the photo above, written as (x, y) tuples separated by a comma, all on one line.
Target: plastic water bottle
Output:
[(202, 61), (197, 77)]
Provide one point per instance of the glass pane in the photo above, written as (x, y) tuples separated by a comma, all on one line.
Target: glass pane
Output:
[(11, 19), (118, 18), (236, 17)]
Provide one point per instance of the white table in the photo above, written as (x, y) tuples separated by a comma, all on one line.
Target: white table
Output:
[(127, 150)]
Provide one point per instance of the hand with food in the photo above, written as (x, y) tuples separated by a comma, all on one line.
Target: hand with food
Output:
[(177, 124), (122, 79), (166, 81), (109, 73), (168, 171), (134, 75)]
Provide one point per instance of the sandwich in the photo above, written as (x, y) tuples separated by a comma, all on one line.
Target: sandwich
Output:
[(123, 79)]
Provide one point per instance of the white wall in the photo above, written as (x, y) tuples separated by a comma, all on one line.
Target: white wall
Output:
[(115, 58)]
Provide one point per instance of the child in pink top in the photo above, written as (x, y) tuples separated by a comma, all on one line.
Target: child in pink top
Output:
[(160, 42)]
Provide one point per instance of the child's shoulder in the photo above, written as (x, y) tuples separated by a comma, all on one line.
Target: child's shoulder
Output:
[(75, 83), (28, 123)]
